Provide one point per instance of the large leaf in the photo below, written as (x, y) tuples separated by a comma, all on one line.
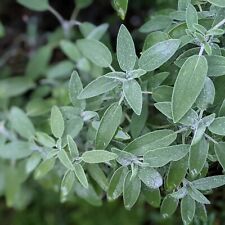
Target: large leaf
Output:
[(39, 5), (125, 49), (151, 141), (21, 123), (133, 95), (95, 51), (216, 65), (108, 125), (158, 54), (188, 85), (161, 156), (98, 156), (131, 190)]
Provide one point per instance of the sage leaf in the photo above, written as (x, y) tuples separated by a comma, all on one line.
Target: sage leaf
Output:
[(152, 196), (80, 174), (108, 125), (219, 3), (38, 5), (191, 17), (64, 159), (197, 195), (168, 206), (218, 126), (131, 190), (188, 85), (150, 177), (121, 7), (95, 51), (57, 122), (97, 87), (116, 183), (201, 212), (151, 141), (44, 167), (45, 140), (158, 54), (216, 65), (220, 153), (67, 184), (133, 95), (72, 146), (21, 123), (187, 209), (125, 49), (207, 183), (161, 156), (98, 156)]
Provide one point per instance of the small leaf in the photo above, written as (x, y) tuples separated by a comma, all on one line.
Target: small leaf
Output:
[(152, 196), (197, 157), (72, 147), (57, 122), (80, 174), (187, 209), (218, 126), (188, 85), (133, 94), (131, 190), (45, 140), (21, 123), (151, 141), (168, 206), (121, 7), (108, 125), (216, 65), (67, 184), (98, 156), (97, 87), (161, 156), (38, 5), (150, 177), (201, 212), (95, 51), (191, 17), (207, 183), (220, 153), (125, 49), (44, 168), (116, 183), (197, 196), (70, 50), (65, 160), (158, 54)]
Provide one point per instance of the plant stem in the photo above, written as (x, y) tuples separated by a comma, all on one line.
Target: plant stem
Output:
[(57, 15), (111, 68), (210, 139), (147, 92)]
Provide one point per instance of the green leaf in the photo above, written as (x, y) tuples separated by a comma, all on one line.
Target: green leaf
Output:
[(197, 157), (97, 87), (64, 159), (108, 125), (98, 32), (188, 85), (70, 50), (187, 209), (201, 212), (57, 122), (207, 95), (95, 51), (38, 5), (44, 168), (15, 150), (162, 93), (218, 126), (176, 174), (133, 95), (158, 54), (168, 206), (116, 183), (98, 175), (191, 17), (67, 184), (125, 49), (161, 156), (135, 73), (72, 147), (80, 174), (152, 196), (32, 162), (75, 88), (150, 177), (208, 183), (45, 140), (151, 141), (220, 153), (197, 195), (21, 123), (131, 190), (219, 3), (216, 65), (83, 3), (98, 156), (121, 7)]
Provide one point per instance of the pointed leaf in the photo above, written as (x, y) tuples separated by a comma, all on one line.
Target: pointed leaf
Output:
[(187, 209), (80, 174), (57, 122), (218, 126)]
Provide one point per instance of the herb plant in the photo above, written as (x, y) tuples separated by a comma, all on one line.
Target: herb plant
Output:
[(132, 122)]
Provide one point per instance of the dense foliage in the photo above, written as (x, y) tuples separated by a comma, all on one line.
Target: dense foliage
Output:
[(145, 123)]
